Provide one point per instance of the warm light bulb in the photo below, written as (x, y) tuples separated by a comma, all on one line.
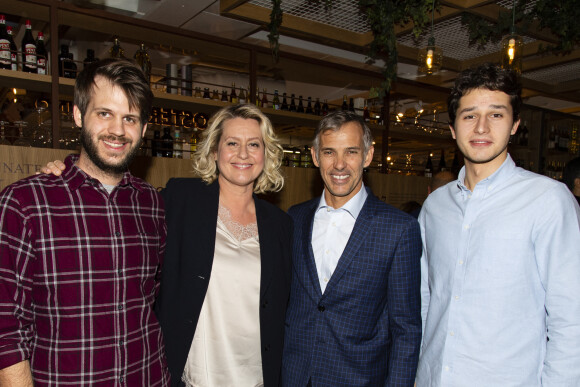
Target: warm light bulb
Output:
[(429, 60), (511, 49)]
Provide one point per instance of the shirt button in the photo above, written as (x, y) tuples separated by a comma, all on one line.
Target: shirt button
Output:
[(446, 368), (325, 279), (326, 251), (121, 342), (457, 297), (333, 224), (466, 227), (121, 379), (451, 333), (321, 308), (117, 234), (120, 271), (120, 307), (461, 262)]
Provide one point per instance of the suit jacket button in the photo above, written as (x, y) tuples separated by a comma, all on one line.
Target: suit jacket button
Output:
[(267, 348), (264, 304), (321, 308)]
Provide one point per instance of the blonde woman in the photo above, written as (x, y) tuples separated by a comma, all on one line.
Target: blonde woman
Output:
[(226, 274)]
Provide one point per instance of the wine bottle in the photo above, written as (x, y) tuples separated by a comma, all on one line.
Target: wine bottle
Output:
[(28, 50), (224, 96), (429, 167), (41, 54), (177, 145), (72, 67), (63, 67), (309, 106), (293, 103), (167, 143), (317, 107), (4, 45), (300, 108), (206, 93), (233, 95), (13, 50), (215, 96), (442, 163), (116, 51), (193, 143), (276, 101), (523, 135), (351, 105), (344, 103), (264, 101), (242, 97), (325, 107), (142, 59), (90, 58), (284, 102)]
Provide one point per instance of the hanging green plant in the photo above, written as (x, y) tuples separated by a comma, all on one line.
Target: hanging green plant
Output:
[(382, 16)]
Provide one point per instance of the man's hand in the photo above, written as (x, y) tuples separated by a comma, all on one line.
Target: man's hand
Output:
[(17, 375), (54, 168)]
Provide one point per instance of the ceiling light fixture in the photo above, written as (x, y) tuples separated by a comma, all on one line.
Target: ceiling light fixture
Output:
[(512, 47), (431, 57)]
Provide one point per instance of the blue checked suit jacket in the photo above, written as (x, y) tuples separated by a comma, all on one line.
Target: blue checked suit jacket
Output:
[(365, 330)]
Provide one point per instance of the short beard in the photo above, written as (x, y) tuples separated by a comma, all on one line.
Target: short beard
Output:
[(92, 152)]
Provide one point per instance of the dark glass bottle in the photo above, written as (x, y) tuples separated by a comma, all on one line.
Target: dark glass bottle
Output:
[(309, 106), (215, 95), (72, 67), (167, 143), (28, 50), (116, 51), (344, 104), (264, 99), (429, 167), (224, 96), (41, 54), (284, 102), (4, 45), (292, 103), (276, 101), (325, 107), (13, 50), (351, 105), (206, 93), (366, 113), (300, 108), (442, 163), (63, 61), (233, 95), (317, 107), (144, 61), (90, 58), (156, 144)]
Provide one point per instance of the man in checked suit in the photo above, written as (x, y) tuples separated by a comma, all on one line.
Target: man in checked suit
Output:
[(354, 316)]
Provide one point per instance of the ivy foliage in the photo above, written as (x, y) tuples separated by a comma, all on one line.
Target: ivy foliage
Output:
[(559, 17), (383, 16)]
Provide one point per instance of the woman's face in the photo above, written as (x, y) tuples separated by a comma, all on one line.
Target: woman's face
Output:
[(240, 152)]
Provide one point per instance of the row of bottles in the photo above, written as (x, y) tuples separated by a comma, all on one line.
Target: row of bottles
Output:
[(33, 52), (296, 157), (564, 138), (442, 165), (174, 143)]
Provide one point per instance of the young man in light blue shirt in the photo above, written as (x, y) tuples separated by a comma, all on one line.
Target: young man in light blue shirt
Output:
[(501, 256)]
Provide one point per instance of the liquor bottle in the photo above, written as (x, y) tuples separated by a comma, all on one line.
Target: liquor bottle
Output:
[(90, 58), (233, 95), (317, 107), (523, 135), (366, 112), (258, 99), (351, 105), (215, 95), (13, 50), (293, 103), (144, 61), (63, 65), (116, 51), (156, 144), (284, 102), (242, 97), (276, 101), (28, 50), (442, 163), (224, 96), (325, 107), (344, 104), (206, 93), (177, 145), (41, 54), (300, 108), (4, 45), (309, 106), (167, 143), (429, 167), (197, 93), (265, 102), (73, 70), (193, 143)]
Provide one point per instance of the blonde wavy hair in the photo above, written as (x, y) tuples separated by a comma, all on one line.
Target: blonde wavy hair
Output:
[(271, 178)]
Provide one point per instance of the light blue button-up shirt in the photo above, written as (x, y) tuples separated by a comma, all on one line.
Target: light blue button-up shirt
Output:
[(501, 275)]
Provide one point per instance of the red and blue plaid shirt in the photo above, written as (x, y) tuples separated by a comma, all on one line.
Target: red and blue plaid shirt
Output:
[(79, 272)]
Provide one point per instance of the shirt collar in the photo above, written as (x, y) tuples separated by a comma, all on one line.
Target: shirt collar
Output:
[(353, 206), (502, 174), (75, 177)]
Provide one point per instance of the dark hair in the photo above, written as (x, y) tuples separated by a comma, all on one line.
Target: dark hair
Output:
[(335, 120), (121, 73), (487, 76), (571, 172)]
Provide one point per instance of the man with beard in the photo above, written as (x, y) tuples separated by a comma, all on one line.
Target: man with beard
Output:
[(80, 253), (501, 262)]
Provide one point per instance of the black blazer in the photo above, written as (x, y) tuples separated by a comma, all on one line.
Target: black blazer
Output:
[(191, 208)]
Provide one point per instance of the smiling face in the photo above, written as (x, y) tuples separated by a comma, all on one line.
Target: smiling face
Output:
[(111, 133), (482, 129), (341, 159), (240, 153)]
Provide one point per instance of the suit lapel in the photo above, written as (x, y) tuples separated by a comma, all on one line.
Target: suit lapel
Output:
[(307, 254), (268, 240), (361, 228)]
